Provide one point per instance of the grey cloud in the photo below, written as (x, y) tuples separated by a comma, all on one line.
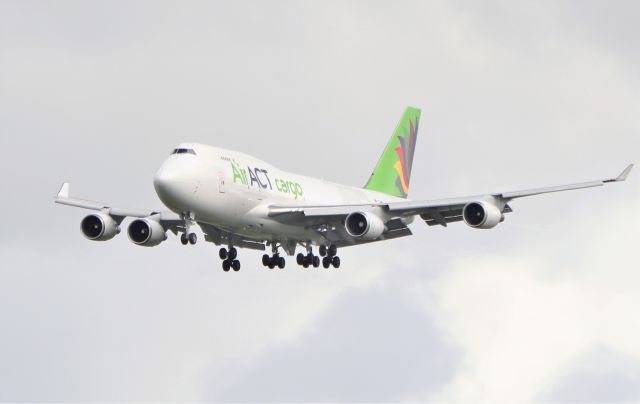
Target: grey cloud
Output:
[(370, 345), (602, 375)]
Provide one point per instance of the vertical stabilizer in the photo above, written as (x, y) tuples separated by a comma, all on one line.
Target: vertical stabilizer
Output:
[(393, 171)]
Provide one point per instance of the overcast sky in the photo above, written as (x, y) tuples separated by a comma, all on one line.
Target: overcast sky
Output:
[(513, 95)]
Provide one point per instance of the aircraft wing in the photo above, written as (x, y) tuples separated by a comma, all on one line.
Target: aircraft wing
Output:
[(171, 220), (434, 212)]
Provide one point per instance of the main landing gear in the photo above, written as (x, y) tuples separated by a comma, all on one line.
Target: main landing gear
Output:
[(275, 260), (229, 259), (329, 254)]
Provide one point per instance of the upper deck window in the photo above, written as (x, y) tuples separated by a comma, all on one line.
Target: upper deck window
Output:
[(182, 151)]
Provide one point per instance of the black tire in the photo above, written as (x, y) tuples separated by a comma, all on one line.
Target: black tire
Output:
[(223, 253), (233, 253), (333, 250), (235, 264), (335, 261), (183, 239), (281, 262), (265, 260), (305, 263), (322, 250), (271, 264), (300, 258), (316, 261), (226, 265), (193, 238), (326, 262)]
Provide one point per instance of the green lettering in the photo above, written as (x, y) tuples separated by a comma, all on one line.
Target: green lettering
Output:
[(236, 174)]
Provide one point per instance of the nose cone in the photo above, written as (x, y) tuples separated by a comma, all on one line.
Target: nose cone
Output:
[(175, 184)]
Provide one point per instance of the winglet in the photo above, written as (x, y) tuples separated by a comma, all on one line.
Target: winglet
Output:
[(624, 174), (64, 191)]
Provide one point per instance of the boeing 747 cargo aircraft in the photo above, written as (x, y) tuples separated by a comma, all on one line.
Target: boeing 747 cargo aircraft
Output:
[(242, 202)]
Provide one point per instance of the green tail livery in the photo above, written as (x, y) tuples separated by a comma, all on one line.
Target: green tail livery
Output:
[(393, 171)]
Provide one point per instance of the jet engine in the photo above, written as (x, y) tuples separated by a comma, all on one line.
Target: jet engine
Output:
[(99, 227), (364, 225), (146, 232), (482, 215)]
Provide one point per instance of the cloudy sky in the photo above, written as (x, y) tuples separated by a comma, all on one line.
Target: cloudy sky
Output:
[(514, 95)]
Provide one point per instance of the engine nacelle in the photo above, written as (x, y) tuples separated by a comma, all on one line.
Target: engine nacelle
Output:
[(482, 215), (364, 225), (146, 232), (99, 227)]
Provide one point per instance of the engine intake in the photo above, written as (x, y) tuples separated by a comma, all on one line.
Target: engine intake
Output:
[(364, 225), (146, 232), (482, 215), (99, 227)]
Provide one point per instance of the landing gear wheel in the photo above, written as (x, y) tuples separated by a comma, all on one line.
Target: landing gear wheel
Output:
[(333, 250), (235, 264), (223, 253), (335, 261), (316, 261), (322, 250), (272, 263), (226, 265), (326, 262), (281, 262), (233, 253), (265, 260), (193, 238), (300, 258), (183, 239), (305, 263)]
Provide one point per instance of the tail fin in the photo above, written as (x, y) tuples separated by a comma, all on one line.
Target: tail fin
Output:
[(393, 171)]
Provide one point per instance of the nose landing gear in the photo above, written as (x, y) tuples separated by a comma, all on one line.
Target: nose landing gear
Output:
[(191, 238), (187, 237)]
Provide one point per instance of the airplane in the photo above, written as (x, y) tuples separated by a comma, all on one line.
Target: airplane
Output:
[(239, 201)]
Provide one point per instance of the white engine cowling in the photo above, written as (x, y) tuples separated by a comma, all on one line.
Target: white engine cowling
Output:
[(482, 215), (146, 232), (364, 225), (99, 227)]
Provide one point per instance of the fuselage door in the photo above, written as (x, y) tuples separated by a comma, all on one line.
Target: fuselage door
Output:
[(222, 186)]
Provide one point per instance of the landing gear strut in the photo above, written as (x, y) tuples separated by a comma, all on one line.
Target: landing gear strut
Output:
[(229, 259)]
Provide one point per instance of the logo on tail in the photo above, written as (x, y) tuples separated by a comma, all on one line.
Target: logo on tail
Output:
[(405, 157), (392, 174)]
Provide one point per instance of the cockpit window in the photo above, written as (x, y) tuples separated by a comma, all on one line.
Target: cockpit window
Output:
[(182, 151)]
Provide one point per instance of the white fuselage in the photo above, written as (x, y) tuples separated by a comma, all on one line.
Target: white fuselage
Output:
[(233, 191)]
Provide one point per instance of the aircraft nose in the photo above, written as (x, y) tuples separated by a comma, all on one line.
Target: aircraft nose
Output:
[(175, 185)]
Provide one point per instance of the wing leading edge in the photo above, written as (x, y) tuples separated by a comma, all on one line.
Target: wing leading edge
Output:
[(64, 198)]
